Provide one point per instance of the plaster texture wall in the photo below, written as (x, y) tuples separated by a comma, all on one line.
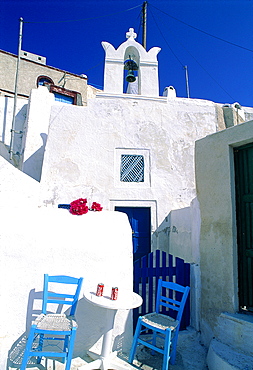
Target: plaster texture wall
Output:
[(218, 247), (38, 240), (33, 145), (6, 116), (180, 232), (84, 142), (17, 189), (31, 126), (31, 120)]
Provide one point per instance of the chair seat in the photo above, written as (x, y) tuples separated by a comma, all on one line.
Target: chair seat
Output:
[(160, 321), (55, 322)]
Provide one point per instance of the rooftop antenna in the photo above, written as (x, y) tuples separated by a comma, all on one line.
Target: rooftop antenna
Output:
[(13, 131), (187, 82), (144, 24), (64, 79)]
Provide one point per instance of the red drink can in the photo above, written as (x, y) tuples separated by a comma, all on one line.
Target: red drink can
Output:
[(100, 289), (114, 294)]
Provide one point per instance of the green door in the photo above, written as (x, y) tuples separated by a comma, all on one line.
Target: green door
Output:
[(244, 215)]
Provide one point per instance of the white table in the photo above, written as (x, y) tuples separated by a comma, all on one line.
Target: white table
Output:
[(107, 359)]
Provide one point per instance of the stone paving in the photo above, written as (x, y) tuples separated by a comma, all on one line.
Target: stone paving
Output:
[(191, 355)]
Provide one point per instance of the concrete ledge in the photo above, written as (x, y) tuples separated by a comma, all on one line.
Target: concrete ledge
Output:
[(162, 99), (236, 331), (220, 356)]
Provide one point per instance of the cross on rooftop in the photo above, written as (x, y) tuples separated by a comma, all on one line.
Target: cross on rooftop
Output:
[(131, 34)]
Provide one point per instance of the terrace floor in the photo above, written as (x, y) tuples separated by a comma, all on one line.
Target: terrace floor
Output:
[(191, 355)]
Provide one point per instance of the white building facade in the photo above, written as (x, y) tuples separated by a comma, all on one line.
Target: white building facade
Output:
[(129, 149)]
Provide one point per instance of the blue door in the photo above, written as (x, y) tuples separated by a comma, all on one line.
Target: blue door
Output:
[(139, 218)]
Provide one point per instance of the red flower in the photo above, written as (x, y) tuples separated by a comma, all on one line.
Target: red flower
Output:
[(79, 207), (96, 207), (79, 201)]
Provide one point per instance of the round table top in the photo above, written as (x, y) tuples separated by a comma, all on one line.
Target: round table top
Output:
[(127, 302)]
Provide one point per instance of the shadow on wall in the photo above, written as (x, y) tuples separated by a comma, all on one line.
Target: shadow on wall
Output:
[(33, 165), (175, 230), (19, 119), (18, 136), (178, 234), (16, 352)]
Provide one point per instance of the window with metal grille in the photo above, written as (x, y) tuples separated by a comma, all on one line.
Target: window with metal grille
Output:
[(132, 168)]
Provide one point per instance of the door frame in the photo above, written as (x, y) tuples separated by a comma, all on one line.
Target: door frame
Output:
[(152, 204)]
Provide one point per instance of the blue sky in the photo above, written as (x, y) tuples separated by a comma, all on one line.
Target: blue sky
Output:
[(214, 38)]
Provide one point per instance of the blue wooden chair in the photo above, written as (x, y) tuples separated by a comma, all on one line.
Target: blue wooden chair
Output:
[(53, 334), (172, 297)]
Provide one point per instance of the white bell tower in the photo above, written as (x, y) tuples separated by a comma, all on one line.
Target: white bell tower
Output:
[(146, 62)]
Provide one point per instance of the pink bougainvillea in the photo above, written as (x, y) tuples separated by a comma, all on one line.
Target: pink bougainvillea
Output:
[(96, 207), (79, 207)]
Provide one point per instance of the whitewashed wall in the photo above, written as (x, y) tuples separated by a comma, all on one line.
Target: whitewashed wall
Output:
[(34, 241), (6, 117), (82, 160), (83, 155), (36, 131), (146, 61), (83, 142)]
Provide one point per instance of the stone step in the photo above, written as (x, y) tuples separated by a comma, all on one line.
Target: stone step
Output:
[(221, 356)]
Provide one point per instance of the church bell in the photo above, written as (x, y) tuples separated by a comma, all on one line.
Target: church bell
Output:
[(130, 76), (131, 66)]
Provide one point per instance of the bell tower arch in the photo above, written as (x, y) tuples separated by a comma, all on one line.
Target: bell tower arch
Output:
[(145, 61)]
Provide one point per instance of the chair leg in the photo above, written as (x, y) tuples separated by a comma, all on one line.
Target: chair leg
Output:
[(154, 335), (28, 347), (66, 342), (40, 346), (135, 341), (71, 348), (66, 346), (174, 348), (166, 354)]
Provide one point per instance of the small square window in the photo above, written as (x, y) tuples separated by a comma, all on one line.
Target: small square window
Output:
[(132, 168)]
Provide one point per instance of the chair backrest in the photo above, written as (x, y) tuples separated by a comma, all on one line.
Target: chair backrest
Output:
[(173, 296), (61, 298)]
